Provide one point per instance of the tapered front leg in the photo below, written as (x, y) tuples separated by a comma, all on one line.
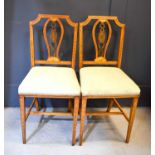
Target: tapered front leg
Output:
[(83, 113), (23, 115), (75, 117), (132, 117)]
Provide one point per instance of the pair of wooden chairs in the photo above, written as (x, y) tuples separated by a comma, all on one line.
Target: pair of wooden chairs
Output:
[(103, 82)]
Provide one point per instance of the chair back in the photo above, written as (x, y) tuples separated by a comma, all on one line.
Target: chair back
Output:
[(51, 34), (103, 29)]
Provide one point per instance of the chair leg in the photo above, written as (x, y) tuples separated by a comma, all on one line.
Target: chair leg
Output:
[(23, 121), (110, 105), (69, 105), (131, 119), (75, 117), (37, 104), (83, 113), (79, 112)]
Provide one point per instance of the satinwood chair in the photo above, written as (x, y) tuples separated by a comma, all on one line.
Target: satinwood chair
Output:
[(46, 81), (103, 77)]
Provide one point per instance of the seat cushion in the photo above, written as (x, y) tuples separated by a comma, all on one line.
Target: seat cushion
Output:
[(106, 81), (43, 80)]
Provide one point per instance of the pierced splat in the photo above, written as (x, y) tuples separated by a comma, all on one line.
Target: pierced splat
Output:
[(54, 45), (103, 41)]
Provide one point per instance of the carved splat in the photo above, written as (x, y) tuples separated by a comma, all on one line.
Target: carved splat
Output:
[(103, 39), (53, 45)]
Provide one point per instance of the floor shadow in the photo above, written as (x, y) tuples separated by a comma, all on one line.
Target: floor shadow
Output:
[(92, 123), (41, 124), (44, 120), (90, 127)]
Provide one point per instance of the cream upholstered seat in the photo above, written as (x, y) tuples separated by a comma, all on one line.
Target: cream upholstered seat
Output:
[(50, 81), (106, 81)]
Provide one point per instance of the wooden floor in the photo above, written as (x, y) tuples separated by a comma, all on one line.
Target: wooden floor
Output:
[(52, 135)]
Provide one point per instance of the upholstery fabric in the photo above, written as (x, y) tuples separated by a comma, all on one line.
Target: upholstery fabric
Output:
[(43, 80), (106, 81)]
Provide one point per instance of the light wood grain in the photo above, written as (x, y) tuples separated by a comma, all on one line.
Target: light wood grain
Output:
[(82, 117), (75, 117), (23, 116), (132, 117)]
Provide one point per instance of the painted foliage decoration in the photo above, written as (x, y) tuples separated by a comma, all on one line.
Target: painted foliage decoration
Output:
[(101, 39), (53, 38)]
